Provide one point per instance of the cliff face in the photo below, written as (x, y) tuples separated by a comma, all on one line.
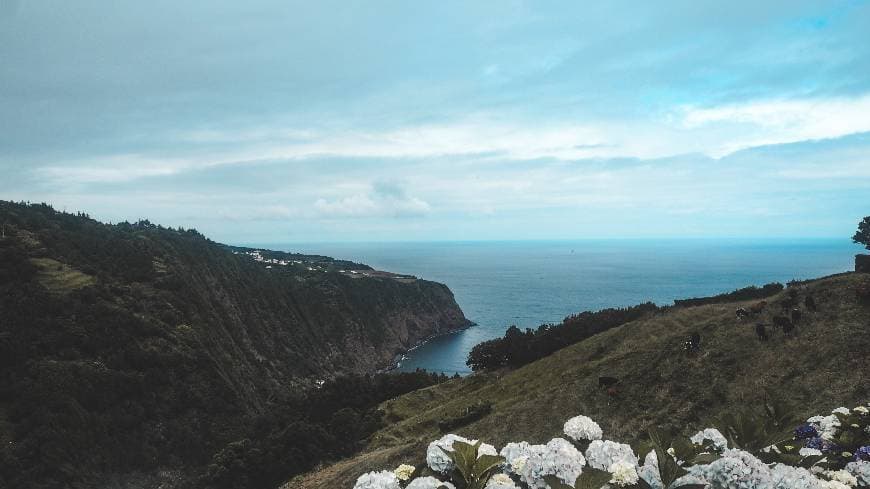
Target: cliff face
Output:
[(132, 336)]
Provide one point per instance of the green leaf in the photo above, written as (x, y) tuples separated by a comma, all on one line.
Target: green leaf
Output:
[(809, 461), (705, 458), (668, 468), (642, 484), (555, 482), (473, 470), (486, 464), (592, 479), (684, 449)]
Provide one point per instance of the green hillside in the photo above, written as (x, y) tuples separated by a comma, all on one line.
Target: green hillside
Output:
[(825, 362), (133, 348)]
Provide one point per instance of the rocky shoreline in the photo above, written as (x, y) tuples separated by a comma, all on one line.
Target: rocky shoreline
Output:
[(400, 357)]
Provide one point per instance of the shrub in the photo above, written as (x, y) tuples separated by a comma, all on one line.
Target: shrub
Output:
[(748, 450)]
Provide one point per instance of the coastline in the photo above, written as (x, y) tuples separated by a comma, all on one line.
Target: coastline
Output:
[(402, 356)]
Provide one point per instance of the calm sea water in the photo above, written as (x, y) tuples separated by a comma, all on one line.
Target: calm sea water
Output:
[(528, 283)]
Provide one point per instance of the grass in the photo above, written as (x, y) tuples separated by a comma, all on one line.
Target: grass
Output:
[(822, 366), (59, 277)]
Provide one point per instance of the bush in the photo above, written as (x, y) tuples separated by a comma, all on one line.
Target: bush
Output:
[(760, 450), (744, 294), (519, 347)]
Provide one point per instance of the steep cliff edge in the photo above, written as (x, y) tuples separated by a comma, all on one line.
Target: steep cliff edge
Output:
[(133, 345)]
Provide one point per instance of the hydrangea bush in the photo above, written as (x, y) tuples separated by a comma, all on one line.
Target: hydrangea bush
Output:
[(742, 452)]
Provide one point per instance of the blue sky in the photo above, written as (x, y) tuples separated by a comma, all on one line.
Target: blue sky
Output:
[(276, 121)]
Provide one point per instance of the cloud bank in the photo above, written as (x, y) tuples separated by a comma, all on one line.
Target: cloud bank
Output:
[(290, 121)]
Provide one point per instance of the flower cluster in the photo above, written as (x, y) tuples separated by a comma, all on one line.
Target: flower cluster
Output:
[(377, 480), (827, 452), (826, 426), (558, 458), (501, 481), (623, 473), (604, 453), (404, 472), (427, 482), (436, 454), (582, 428), (805, 431), (712, 435), (861, 471)]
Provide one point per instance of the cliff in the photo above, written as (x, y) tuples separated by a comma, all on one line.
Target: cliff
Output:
[(133, 345)]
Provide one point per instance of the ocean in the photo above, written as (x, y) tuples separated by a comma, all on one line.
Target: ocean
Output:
[(529, 283)]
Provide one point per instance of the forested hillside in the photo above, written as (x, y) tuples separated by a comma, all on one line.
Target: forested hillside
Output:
[(133, 347)]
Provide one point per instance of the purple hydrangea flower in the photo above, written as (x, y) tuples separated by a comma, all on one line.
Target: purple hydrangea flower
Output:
[(820, 443), (805, 431), (863, 454), (815, 442)]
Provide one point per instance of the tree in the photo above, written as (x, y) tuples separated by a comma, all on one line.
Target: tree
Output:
[(862, 236)]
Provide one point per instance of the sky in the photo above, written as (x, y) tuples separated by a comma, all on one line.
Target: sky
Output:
[(280, 121)]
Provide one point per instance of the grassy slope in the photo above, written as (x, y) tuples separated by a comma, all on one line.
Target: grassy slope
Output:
[(825, 365)]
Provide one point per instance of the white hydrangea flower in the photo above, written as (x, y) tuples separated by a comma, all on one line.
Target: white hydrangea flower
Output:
[(833, 485), (404, 471), (808, 452), (582, 428), (735, 470), (377, 480), (712, 434), (842, 476), (486, 449), (861, 471), (861, 410), (436, 459), (519, 464), (601, 454), (558, 458), (428, 483), (738, 469), (501, 481), (825, 425), (650, 471), (841, 410), (624, 473), (787, 477), (516, 454)]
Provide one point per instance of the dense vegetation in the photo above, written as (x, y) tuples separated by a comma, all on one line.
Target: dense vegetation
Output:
[(745, 294), (519, 347), (135, 348), (862, 235), (321, 425)]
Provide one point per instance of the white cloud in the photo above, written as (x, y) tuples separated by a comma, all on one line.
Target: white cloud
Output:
[(387, 199), (111, 169), (259, 213), (354, 206), (823, 171), (778, 121)]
